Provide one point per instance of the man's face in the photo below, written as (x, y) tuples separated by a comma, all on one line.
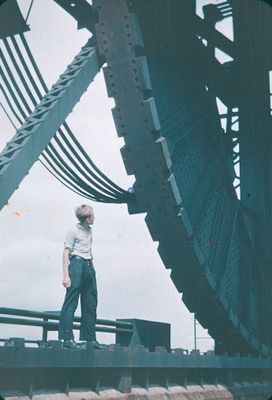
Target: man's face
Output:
[(90, 219)]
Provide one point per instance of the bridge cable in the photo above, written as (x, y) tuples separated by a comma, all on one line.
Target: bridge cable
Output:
[(78, 145), (113, 192), (75, 141), (62, 134), (22, 112), (79, 181)]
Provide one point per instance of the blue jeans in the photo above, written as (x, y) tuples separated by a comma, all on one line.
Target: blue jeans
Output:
[(83, 285)]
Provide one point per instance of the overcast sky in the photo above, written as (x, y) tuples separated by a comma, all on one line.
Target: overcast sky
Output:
[(132, 280)]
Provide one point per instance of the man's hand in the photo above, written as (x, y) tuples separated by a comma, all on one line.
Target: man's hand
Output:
[(66, 282), (66, 278)]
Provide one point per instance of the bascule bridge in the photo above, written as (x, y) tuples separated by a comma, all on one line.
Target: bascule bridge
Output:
[(193, 105)]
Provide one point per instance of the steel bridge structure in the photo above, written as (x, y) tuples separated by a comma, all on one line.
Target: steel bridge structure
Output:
[(194, 107)]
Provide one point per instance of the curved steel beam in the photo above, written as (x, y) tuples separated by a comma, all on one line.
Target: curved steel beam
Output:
[(179, 154)]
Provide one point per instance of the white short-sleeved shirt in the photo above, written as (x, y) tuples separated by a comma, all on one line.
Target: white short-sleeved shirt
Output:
[(79, 241)]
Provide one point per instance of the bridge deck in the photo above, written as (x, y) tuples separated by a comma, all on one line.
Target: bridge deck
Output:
[(50, 367)]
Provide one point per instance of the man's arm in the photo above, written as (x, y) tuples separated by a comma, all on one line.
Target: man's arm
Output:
[(66, 278)]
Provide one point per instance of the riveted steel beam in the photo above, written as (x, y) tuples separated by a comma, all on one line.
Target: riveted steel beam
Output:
[(31, 139)]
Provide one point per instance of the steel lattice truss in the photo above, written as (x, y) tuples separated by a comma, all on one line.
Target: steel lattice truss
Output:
[(202, 175)]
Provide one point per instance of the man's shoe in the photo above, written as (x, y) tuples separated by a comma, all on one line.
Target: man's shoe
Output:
[(70, 344), (97, 346)]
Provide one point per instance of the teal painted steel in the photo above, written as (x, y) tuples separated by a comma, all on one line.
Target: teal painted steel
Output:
[(206, 190), (217, 245), (32, 369)]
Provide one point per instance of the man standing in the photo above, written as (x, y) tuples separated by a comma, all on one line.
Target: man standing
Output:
[(80, 281)]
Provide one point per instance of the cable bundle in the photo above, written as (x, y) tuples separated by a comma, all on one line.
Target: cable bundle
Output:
[(64, 157)]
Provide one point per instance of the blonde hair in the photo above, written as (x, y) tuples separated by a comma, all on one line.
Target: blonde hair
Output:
[(84, 211)]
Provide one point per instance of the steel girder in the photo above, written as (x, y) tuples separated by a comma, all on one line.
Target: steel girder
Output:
[(15, 23), (165, 83), (254, 61), (29, 370), (31, 139), (82, 11)]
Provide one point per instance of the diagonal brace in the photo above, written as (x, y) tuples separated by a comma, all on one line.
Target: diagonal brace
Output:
[(25, 147)]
